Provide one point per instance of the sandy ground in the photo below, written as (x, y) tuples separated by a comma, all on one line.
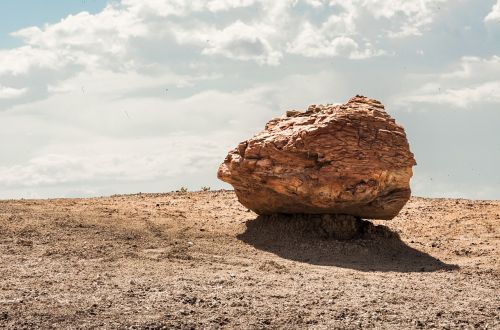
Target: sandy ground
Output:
[(201, 260)]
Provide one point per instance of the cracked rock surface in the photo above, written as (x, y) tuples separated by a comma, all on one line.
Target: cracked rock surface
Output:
[(331, 159)]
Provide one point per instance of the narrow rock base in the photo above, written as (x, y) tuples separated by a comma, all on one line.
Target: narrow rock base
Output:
[(326, 226)]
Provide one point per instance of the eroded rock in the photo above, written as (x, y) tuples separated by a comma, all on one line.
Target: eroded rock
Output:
[(331, 159), (314, 226)]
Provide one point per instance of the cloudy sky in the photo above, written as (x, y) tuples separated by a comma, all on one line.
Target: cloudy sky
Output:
[(101, 97)]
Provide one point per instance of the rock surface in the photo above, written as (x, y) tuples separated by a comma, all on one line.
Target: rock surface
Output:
[(331, 159), (325, 226)]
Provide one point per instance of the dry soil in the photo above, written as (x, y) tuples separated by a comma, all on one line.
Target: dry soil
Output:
[(201, 260)]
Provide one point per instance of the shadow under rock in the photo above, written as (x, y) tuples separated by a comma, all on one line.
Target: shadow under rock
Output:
[(305, 238)]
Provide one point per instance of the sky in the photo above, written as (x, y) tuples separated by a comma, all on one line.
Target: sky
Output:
[(113, 97)]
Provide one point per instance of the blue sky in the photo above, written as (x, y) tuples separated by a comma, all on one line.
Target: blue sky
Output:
[(102, 97)]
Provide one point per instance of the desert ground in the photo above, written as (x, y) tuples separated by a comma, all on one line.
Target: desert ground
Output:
[(200, 260)]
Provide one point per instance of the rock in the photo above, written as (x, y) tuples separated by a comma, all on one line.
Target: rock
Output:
[(331, 159), (326, 226)]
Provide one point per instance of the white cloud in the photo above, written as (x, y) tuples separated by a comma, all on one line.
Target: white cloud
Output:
[(311, 44), (85, 39), (314, 3), (459, 97), (9, 92), (260, 39), (108, 39), (167, 8), (238, 41), (332, 38), (417, 14), (218, 5), (401, 18), (475, 69), (181, 8), (339, 34), (114, 160), (98, 139), (162, 8), (494, 14), (111, 84), (475, 81), (106, 30), (23, 59)]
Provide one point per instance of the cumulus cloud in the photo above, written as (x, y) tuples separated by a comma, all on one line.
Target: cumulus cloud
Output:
[(238, 41), (494, 14), (21, 60), (400, 18), (339, 34), (312, 42), (99, 40), (417, 15), (106, 39)]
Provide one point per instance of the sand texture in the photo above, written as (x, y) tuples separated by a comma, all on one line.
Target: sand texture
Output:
[(202, 261)]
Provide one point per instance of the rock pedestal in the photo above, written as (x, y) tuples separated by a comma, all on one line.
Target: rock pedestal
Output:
[(348, 159)]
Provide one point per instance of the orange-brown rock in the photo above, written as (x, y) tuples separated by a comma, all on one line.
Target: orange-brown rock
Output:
[(331, 159)]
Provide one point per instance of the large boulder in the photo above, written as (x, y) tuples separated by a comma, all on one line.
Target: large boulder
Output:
[(331, 159)]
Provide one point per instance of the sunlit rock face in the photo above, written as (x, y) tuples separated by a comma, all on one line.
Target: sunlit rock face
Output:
[(331, 159)]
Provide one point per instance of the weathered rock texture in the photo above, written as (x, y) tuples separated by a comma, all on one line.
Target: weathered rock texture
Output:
[(335, 159)]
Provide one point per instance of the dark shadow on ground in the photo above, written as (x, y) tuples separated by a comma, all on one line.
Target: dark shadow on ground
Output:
[(373, 248)]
